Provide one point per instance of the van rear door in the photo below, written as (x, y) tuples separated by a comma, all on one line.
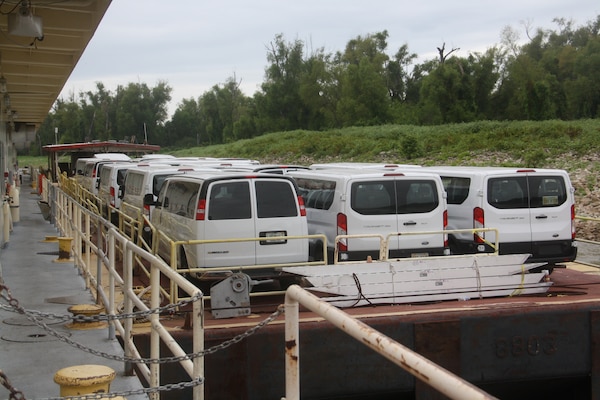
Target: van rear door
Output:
[(229, 215), (400, 204), (533, 211), (551, 226), (278, 214), (509, 211)]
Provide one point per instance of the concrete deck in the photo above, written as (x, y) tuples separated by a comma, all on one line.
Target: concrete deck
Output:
[(29, 356)]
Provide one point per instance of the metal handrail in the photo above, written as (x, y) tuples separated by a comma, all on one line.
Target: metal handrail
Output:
[(74, 219), (420, 367), (384, 240)]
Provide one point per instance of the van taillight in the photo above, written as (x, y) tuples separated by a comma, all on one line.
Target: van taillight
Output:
[(146, 210), (478, 222), (302, 207), (573, 221), (201, 210), (445, 222), (112, 196), (342, 229)]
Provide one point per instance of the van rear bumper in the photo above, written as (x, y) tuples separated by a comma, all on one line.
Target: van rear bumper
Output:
[(398, 253), (552, 252)]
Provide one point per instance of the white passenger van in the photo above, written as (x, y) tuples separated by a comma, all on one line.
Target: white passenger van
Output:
[(111, 183), (144, 179), (91, 171), (221, 205), (533, 210), (365, 201)]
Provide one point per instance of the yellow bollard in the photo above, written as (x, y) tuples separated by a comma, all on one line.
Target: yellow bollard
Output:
[(64, 249), (84, 379), (87, 310)]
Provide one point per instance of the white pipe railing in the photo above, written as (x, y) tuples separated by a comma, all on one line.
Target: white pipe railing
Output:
[(420, 367), (74, 219)]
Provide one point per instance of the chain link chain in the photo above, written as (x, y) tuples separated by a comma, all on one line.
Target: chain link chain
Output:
[(15, 394), (95, 318), (157, 389), (191, 356)]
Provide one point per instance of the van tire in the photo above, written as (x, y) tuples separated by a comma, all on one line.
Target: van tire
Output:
[(317, 253)]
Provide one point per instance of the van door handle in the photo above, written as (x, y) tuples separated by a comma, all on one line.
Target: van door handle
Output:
[(541, 216), (410, 223)]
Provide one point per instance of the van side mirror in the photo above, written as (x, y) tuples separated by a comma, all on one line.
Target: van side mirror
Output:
[(149, 200)]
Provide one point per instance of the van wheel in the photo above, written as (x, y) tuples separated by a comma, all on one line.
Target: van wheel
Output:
[(317, 254), (183, 262)]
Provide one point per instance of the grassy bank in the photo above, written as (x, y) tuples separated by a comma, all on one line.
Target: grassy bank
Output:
[(534, 144)]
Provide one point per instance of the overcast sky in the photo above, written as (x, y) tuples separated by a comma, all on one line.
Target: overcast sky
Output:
[(194, 45)]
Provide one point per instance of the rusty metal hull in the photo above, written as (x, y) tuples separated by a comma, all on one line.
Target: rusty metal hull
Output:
[(530, 347)]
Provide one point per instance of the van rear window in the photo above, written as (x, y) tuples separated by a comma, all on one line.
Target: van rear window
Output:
[(133, 184), (275, 199), (394, 197), (316, 193), (229, 200), (457, 188), (182, 198), (526, 192)]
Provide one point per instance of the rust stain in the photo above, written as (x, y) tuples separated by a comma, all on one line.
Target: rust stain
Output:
[(290, 344)]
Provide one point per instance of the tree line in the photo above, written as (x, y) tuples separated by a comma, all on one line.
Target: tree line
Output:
[(554, 75)]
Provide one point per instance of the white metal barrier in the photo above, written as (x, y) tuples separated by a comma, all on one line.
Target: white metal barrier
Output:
[(432, 374)]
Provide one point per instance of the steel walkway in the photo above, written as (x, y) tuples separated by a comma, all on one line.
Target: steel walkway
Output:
[(29, 356)]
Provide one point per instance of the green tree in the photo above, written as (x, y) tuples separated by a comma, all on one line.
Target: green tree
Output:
[(363, 85), (280, 105)]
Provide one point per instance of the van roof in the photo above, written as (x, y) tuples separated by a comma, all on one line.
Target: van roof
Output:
[(223, 174), (112, 156), (348, 173), (361, 165), (263, 167), (143, 167), (482, 171)]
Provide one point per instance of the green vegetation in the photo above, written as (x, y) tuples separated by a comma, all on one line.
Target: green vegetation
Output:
[(560, 144)]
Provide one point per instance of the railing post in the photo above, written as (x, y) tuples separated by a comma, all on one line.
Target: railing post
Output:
[(154, 336), (292, 349), (198, 345), (128, 303), (111, 287)]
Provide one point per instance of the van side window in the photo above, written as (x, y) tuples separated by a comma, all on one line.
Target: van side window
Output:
[(508, 192), (457, 188), (182, 198), (157, 182), (229, 200), (547, 191), (275, 199), (316, 193), (416, 196)]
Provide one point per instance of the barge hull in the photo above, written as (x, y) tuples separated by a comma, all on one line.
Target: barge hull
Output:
[(527, 347)]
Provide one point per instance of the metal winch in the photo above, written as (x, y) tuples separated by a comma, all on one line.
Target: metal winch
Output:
[(231, 297)]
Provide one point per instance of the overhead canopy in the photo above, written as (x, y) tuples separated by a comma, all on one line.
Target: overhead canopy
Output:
[(88, 149), (33, 68)]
